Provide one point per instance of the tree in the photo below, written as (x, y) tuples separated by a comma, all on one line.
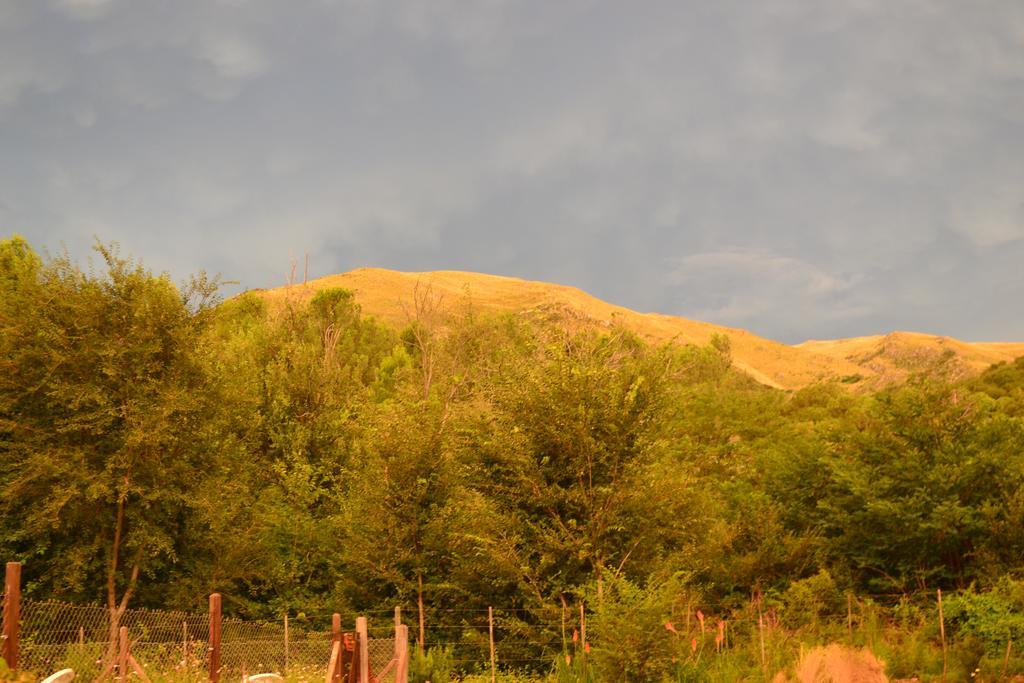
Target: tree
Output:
[(913, 494), (101, 401), (578, 461)]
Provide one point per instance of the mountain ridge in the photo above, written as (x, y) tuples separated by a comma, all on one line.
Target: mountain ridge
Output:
[(863, 362)]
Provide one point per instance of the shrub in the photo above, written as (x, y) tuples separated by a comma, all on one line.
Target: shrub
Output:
[(808, 601), (432, 666)]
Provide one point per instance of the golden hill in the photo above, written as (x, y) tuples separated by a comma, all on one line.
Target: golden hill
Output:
[(389, 296), (893, 357)]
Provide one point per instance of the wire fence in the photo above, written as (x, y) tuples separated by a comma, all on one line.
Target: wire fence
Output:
[(524, 639), (56, 635)]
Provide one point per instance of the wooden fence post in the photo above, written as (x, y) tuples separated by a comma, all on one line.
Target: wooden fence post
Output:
[(122, 657), (419, 600), (349, 658), (402, 653), (490, 629), (849, 616), (942, 632), (215, 637), (363, 643), (336, 643), (398, 641), (583, 628), (285, 669), (760, 630), (12, 613), (337, 661), (565, 608)]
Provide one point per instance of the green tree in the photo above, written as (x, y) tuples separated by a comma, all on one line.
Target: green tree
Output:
[(100, 402), (580, 463), (911, 494)]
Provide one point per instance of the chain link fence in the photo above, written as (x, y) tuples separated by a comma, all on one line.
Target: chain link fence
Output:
[(381, 655), (57, 635)]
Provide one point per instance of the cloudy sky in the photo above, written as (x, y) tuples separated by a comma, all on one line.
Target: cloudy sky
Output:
[(804, 169)]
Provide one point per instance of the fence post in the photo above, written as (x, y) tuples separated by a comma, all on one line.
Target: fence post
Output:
[(122, 657), (285, 669), (565, 607), (419, 600), (398, 627), (490, 635), (849, 616), (214, 637), (12, 613), (336, 643), (349, 658), (402, 653), (363, 643), (760, 630), (583, 628), (942, 631)]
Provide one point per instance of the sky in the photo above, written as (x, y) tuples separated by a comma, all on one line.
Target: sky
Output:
[(799, 168)]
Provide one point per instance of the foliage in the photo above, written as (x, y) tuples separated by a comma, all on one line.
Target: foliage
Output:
[(995, 617), (430, 665), (8, 676), (631, 626), (295, 455), (100, 401), (808, 602)]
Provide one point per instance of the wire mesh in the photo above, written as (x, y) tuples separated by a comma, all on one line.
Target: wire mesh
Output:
[(56, 635), (381, 653)]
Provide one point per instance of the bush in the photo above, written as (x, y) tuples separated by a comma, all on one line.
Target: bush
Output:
[(630, 635), (994, 617), (431, 666), (809, 601), (8, 676)]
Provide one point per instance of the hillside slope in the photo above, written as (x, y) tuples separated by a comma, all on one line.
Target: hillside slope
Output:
[(389, 295), (864, 363), (893, 357)]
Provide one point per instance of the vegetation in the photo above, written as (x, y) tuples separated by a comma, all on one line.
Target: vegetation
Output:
[(158, 444)]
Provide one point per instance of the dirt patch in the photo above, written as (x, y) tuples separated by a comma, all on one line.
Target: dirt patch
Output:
[(836, 664)]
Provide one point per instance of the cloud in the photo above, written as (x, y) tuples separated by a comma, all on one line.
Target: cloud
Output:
[(738, 285), (798, 168), (563, 139), (86, 10), (18, 77), (233, 56), (992, 216), (29, 67)]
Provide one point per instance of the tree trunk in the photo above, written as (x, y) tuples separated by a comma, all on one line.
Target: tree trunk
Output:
[(115, 607)]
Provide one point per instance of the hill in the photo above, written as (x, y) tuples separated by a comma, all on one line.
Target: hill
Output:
[(863, 362), (893, 357)]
